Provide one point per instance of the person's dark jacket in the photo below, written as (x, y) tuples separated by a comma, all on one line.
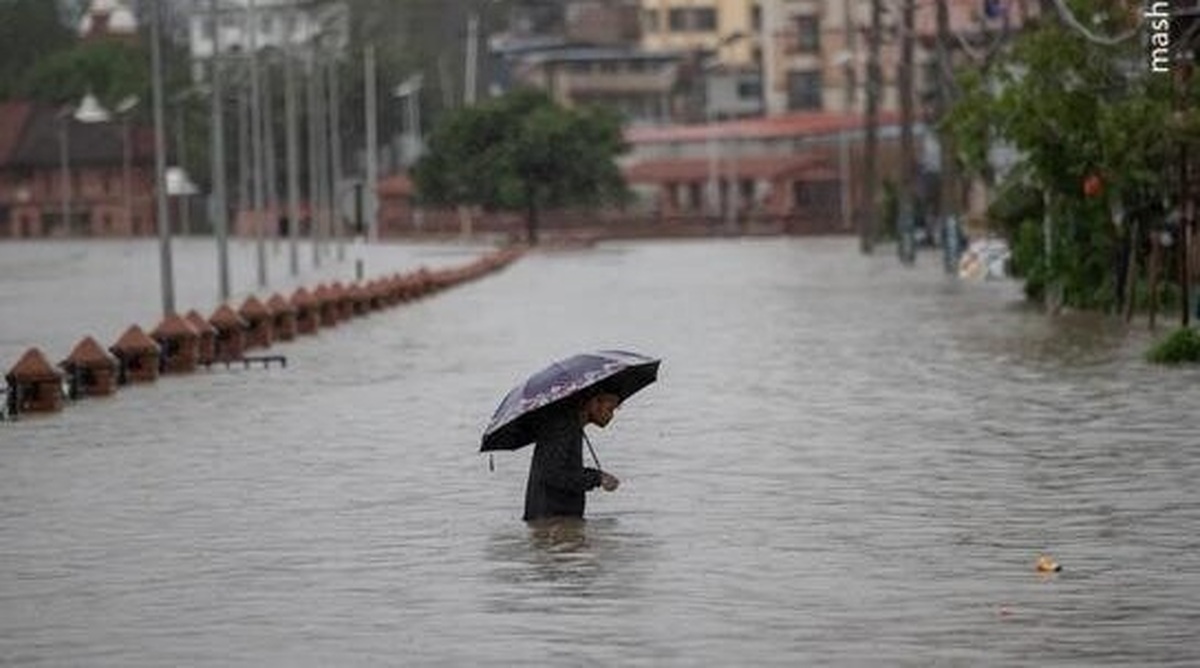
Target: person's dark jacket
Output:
[(558, 480)]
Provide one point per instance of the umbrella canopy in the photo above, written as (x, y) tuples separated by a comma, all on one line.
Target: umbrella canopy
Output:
[(614, 371)]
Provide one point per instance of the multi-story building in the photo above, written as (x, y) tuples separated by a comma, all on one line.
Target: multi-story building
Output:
[(587, 52), (816, 51), (811, 55), (279, 23)]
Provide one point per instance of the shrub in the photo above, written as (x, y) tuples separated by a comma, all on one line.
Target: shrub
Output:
[(1182, 345)]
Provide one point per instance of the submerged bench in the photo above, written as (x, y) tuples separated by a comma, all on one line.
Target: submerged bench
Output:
[(249, 360)]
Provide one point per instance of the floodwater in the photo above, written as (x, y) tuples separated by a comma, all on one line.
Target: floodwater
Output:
[(844, 462)]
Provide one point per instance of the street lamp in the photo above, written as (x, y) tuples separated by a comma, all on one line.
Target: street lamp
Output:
[(124, 109), (845, 60), (88, 111), (713, 146), (410, 91)]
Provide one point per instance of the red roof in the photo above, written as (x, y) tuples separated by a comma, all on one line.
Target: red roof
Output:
[(398, 185), (301, 298), (88, 353), (134, 341), (226, 318), (767, 167), (801, 124), (13, 116), (32, 367), (278, 304), (199, 324), (253, 309), (174, 326)]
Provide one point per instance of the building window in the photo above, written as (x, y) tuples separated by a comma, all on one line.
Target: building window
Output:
[(692, 19), (808, 34), (756, 17), (677, 19), (804, 90), (706, 19), (749, 90), (650, 20)]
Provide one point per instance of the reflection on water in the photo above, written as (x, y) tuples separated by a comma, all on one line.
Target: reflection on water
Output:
[(557, 563), (844, 463)]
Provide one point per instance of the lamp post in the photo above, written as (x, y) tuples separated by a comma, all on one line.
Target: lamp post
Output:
[(256, 145), (410, 91), (88, 111), (292, 140), (167, 273), (125, 111), (372, 148), (220, 212), (713, 144)]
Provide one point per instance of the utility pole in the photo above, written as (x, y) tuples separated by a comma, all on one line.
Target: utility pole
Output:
[(160, 165), (256, 145), (472, 57), (905, 241), (270, 160), (848, 90), (371, 194), (293, 155), (314, 137), (874, 86), (335, 159), (1187, 212), (220, 211), (948, 199)]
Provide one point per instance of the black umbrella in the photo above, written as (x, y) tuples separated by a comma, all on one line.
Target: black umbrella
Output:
[(613, 371)]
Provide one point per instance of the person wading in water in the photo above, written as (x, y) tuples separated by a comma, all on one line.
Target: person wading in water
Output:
[(558, 480)]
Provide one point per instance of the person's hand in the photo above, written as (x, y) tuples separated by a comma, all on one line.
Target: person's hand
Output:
[(609, 481)]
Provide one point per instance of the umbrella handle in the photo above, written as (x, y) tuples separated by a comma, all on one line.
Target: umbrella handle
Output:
[(592, 450)]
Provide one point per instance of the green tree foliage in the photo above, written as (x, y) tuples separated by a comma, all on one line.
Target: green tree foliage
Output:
[(110, 70), (29, 31), (1073, 109), (1182, 345), (523, 152)]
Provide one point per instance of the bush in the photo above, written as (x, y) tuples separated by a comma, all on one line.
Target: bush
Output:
[(1182, 345)]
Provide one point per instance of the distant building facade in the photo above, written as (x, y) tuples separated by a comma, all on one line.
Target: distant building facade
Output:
[(279, 23), (60, 177), (589, 52), (108, 20)]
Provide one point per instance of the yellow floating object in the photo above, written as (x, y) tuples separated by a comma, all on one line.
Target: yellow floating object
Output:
[(1047, 565)]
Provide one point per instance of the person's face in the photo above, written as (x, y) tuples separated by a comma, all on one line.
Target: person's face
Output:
[(600, 409)]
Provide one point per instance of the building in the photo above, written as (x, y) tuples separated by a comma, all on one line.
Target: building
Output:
[(639, 85), (815, 51), (279, 23), (810, 55), (108, 20), (723, 40), (729, 30), (806, 166), (588, 52), (108, 189)]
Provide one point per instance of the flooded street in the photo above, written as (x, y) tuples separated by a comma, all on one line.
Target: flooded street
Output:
[(844, 462)]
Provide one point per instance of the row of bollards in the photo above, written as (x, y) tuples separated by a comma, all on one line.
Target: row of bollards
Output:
[(181, 344)]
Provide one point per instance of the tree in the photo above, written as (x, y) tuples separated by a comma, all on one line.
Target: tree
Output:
[(1079, 111), (110, 70), (523, 152), (29, 31)]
